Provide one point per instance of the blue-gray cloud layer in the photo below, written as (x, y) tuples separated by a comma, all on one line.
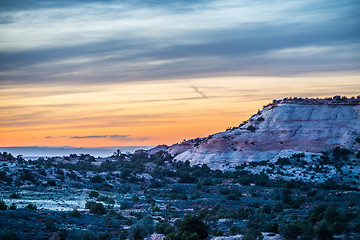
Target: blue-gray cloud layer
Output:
[(118, 41)]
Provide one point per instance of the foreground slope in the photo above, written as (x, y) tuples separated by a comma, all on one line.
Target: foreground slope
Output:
[(280, 129)]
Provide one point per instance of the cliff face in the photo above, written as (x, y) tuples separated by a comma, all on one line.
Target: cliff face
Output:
[(280, 129)]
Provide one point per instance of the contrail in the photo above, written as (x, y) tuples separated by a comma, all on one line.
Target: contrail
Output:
[(203, 96), (196, 89)]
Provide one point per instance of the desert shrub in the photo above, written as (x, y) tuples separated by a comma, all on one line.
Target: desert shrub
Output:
[(164, 227), (51, 183), (149, 199), (110, 200), (3, 206), (15, 196), (338, 227), (271, 227), (160, 157), (4, 177), (156, 184), (241, 213), (192, 224), (140, 230), (71, 175), (341, 152), (50, 225), (95, 207), (205, 182), (13, 206), (252, 234), (59, 171), (235, 229), (312, 193), (225, 191), (290, 231), (80, 234), (287, 199), (156, 209), (75, 213), (251, 128), (322, 230), (93, 194), (31, 206), (96, 179), (109, 223), (26, 175), (8, 234), (182, 236), (135, 198), (283, 161), (233, 196), (102, 198), (187, 178), (125, 205)]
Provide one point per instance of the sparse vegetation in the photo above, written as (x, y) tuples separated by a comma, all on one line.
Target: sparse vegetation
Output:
[(135, 195)]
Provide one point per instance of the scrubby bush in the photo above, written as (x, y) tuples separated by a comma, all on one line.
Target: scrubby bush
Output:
[(283, 161), (182, 236), (156, 184), (252, 234), (95, 207), (80, 234), (75, 213), (13, 206), (96, 179), (4, 177), (50, 225), (26, 175), (290, 231), (251, 128), (8, 234), (140, 230), (110, 200), (51, 183), (164, 227), (235, 229), (3, 206), (31, 206), (102, 198), (187, 178), (15, 196), (192, 224), (93, 194), (322, 230)]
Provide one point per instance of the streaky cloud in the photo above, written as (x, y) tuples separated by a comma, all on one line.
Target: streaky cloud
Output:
[(136, 41), (101, 136)]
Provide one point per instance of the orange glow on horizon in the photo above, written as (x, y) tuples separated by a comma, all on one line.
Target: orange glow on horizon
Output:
[(147, 113)]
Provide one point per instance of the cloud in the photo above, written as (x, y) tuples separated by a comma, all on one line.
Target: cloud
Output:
[(118, 137), (196, 89), (51, 137), (101, 136), (136, 41)]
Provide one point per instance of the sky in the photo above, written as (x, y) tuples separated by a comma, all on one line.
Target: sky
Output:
[(143, 73)]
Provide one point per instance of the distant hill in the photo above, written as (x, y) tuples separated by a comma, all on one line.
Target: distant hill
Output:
[(280, 129)]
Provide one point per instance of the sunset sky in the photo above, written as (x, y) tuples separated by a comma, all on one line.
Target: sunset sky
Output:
[(143, 73)]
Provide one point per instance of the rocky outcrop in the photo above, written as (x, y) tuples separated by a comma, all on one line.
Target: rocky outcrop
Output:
[(280, 129)]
